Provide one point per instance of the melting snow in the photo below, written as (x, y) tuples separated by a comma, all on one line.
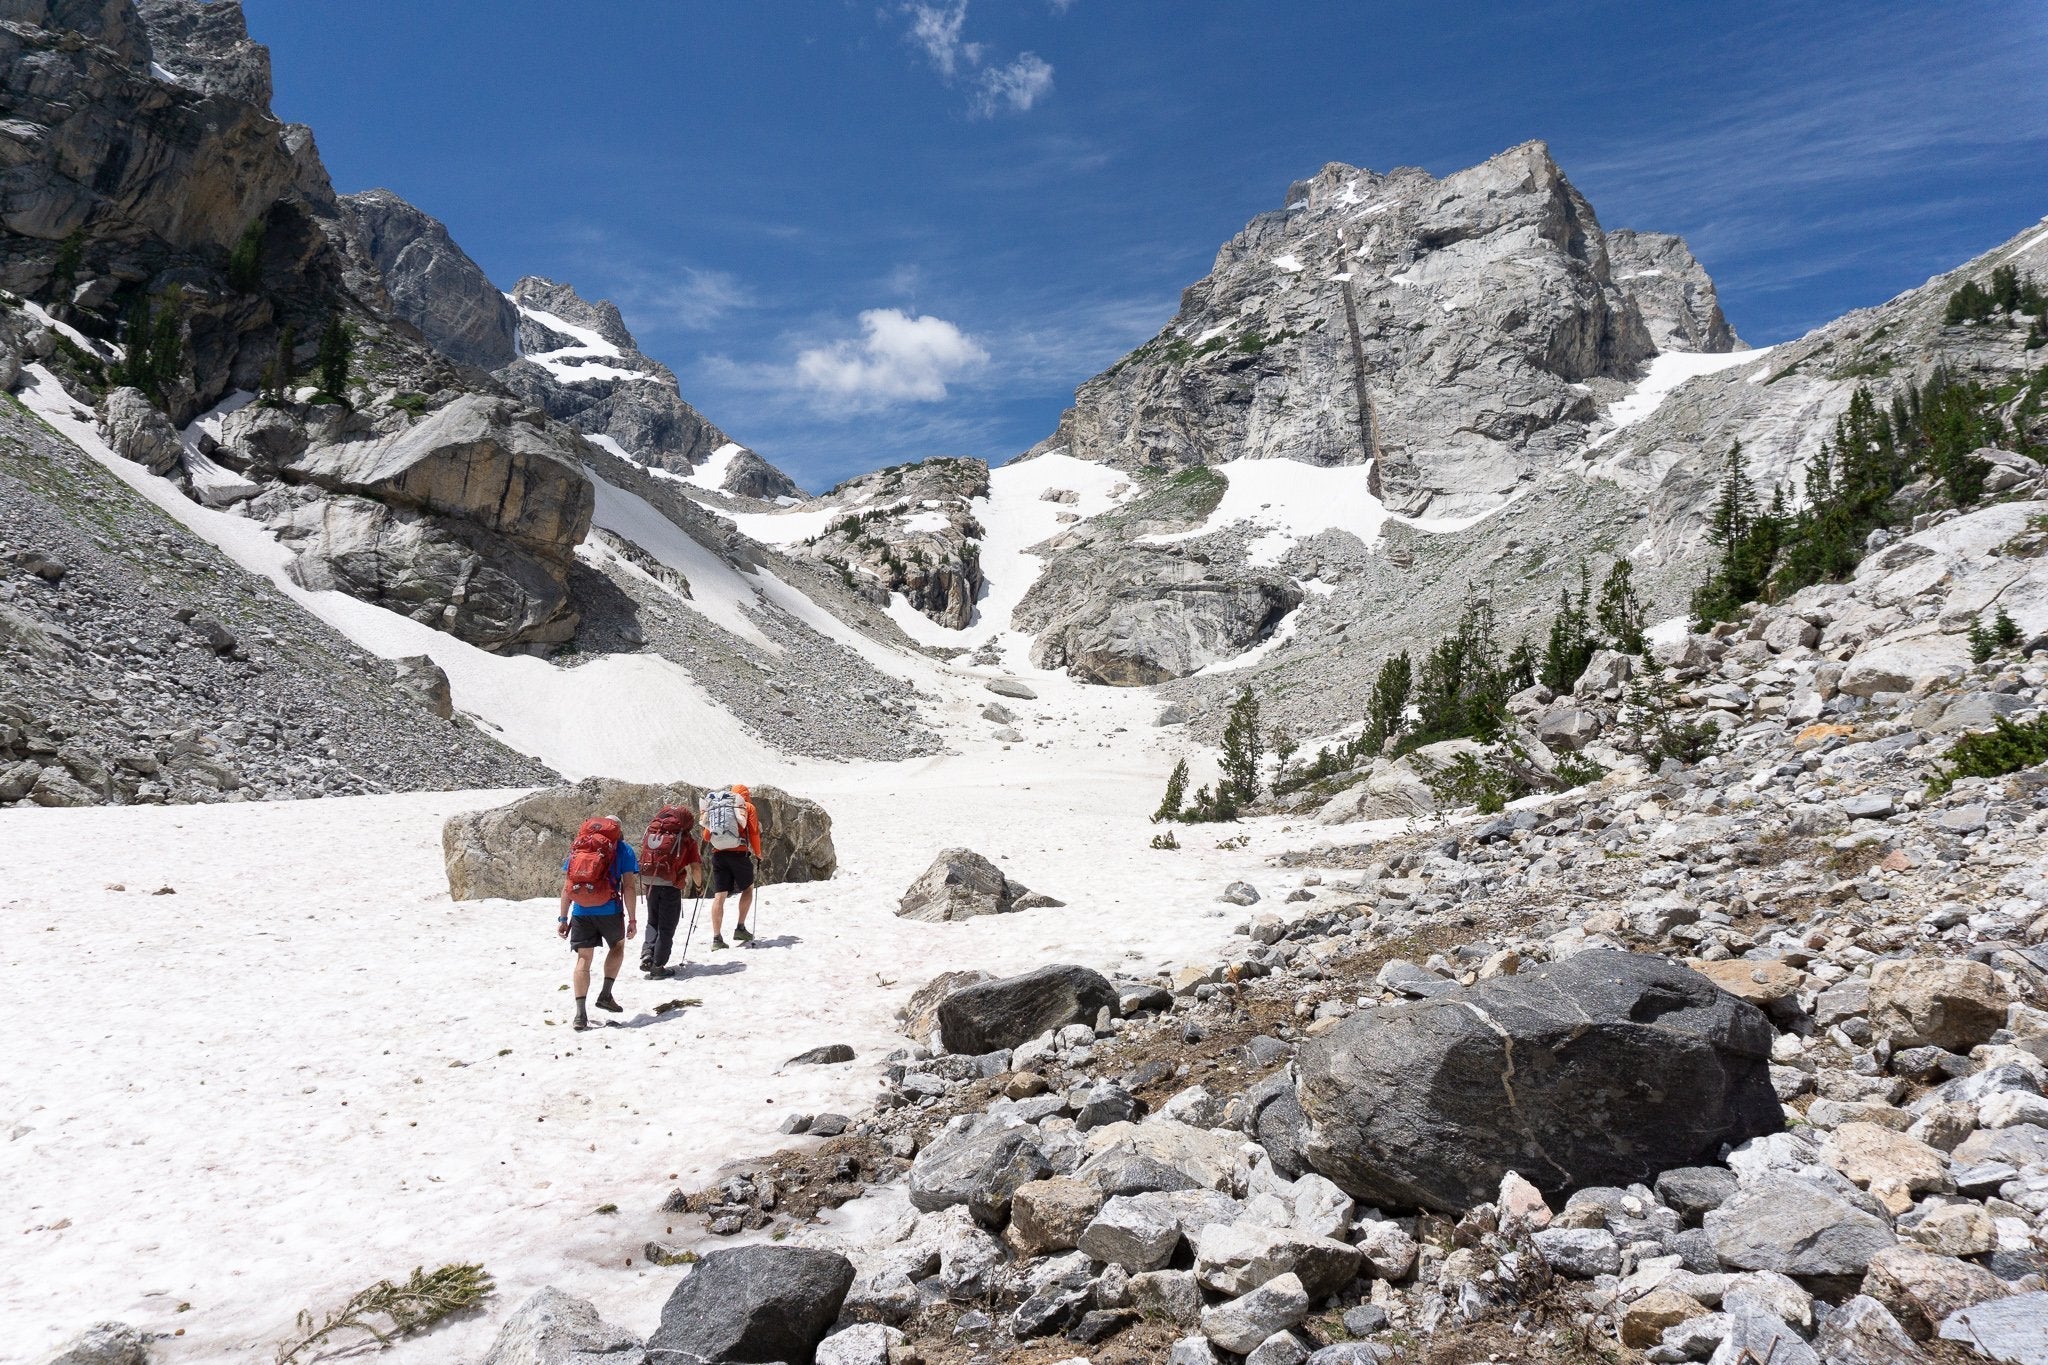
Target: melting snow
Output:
[(1288, 262), (711, 473), (1668, 372)]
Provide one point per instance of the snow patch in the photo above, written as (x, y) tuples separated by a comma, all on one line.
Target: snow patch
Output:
[(1288, 262), (1667, 373), (711, 474)]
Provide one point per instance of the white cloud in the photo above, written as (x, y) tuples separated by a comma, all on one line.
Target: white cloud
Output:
[(936, 29), (1012, 87), (897, 359), (1018, 86)]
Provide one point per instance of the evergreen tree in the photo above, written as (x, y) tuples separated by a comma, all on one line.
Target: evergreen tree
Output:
[(1176, 794), (337, 351), (1621, 612), (153, 342), (1981, 643), (1749, 541), (1461, 691), (1243, 750), (245, 262), (1387, 704), (2005, 632), (1571, 645)]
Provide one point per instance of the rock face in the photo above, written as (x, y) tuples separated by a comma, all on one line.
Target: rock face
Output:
[(553, 1328), (961, 884), (1605, 1068), (1153, 615), (578, 362), (205, 44), (909, 529), (467, 520), (137, 431), (432, 282), (1672, 291), (992, 1015), (759, 1303), (515, 852), (1434, 326)]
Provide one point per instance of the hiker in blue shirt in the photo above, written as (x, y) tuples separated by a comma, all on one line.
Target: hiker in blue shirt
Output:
[(600, 904)]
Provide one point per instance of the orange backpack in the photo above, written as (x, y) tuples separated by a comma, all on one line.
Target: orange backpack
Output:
[(590, 882)]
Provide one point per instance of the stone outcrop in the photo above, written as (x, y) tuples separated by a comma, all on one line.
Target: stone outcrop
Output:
[(578, 362), (205, 45), (431, 282), (1602, 1069), (1144, 614), (135, 430), (515, 852), (909, 529), (554, 1328), (467, 520), (1672, 291), (961, 884)]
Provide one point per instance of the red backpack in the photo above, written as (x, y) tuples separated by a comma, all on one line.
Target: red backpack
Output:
[(668, 848), (590, 881)]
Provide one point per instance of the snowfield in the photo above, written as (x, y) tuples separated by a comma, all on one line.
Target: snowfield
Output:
[(308, 1069)]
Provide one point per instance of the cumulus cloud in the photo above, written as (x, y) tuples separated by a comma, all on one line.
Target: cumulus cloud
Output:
[(897, 359), (1009, 87)]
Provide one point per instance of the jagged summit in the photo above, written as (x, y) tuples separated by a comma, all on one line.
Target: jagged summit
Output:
[(432, 282), (1455, 333)]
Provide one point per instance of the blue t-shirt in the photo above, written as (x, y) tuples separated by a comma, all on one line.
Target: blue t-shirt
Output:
[(623, 861)]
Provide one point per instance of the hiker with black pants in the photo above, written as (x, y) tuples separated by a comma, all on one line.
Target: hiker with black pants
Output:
[(732, 829), (600, 880), (670, 865)]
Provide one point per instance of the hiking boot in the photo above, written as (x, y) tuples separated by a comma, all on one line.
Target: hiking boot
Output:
[(742, 934), (719, 945), (605, 1002), (660, 973)]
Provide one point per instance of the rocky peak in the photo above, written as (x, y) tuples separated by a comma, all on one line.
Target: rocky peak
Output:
[(205, 44), (535, 294), (113, 24), (1672, 291), (1447, 331), (432, 282)]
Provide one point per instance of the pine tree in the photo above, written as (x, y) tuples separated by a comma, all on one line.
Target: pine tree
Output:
[(337, 350), (245, 262), (1621, 612), (2005, 632), (1176, 794), (1243, 750), (1387, 703), (1570, 645), (1981, 643)]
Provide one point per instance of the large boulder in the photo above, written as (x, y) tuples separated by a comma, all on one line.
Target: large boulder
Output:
[(756, 1304), (104, 1343), (554, 1328), (1153, 616), (961, 884), (1603, 1069), (135, 430), (1951, 1003), (515, 851), (980, 1169), (992, 1015)]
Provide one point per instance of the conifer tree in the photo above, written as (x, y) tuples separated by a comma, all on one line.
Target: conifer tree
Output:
[(1570, 645), (2005, 632), (1387, 703), (1243, 750), (337, 350), (1621, 612), (1176, 794)]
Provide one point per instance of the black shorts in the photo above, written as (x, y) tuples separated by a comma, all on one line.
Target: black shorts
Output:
[(732, 869), (587, 931)]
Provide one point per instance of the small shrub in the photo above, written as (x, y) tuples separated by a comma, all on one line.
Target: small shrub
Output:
[(1652, 725), (1165, 841), (419, 1303), (607, 1208), (2007, 748)]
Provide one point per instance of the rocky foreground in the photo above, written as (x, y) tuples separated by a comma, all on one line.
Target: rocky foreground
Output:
[(1738, 1061)]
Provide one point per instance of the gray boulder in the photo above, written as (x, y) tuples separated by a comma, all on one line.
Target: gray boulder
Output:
[(758, 1303), (515, 851), (979, 1169), (2013, 1331), (992, 1015), (961, 884), (1603, 1069), (422, 679), (135, 430), (554, 1328), (1796, 1226), (104, 1343), (1863, 1332)]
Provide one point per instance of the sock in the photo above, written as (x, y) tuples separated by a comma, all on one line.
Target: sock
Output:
[(608, 985), (579, 1007)]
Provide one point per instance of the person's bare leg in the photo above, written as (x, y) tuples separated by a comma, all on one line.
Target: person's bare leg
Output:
[(718, 915), (579, 981), (746, 904)]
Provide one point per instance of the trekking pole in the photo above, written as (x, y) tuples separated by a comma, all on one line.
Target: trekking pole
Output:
[(695, 901)]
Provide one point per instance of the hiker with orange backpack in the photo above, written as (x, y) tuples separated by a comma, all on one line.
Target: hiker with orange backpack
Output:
[(732, 830), (669, 864), (601, 880)]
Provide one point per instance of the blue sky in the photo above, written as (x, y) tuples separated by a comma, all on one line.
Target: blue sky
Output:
[(868, 232)]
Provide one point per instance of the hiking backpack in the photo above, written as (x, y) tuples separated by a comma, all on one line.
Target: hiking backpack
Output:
[(665, 853), (723, 823), (590, 881)]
